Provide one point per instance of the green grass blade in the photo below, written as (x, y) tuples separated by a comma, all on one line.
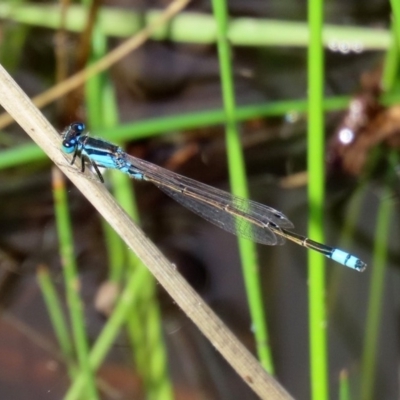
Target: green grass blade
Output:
[(379, 263), (72, 283), (190, 27), (110, 332), (316, 196), (239, 187), (144, 324), (157, 126), (344, 387), (55, 312)]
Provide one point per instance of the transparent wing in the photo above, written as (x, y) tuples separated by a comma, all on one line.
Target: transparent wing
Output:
[(234, 214)]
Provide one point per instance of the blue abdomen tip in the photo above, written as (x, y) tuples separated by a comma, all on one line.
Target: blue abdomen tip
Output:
[(348, 260)]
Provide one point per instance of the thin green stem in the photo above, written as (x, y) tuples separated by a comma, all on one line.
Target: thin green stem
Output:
[(395, 5), (316, 196), (337, 278), (55, 312), (144, 324), (391, 64), (101, 115), (72, 283), (344, 386), (110, 331), (380, 251), (157, 126), (189, 27), (239, 187)]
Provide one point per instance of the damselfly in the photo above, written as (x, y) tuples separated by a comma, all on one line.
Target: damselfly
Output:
[(237, 215)]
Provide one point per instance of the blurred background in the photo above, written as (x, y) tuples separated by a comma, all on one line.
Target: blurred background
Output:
[(163, 103)]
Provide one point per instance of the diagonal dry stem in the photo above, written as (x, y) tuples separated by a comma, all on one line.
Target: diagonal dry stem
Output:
[(20, 107)]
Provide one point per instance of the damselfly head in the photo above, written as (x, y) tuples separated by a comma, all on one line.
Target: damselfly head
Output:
[(71, 135)]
